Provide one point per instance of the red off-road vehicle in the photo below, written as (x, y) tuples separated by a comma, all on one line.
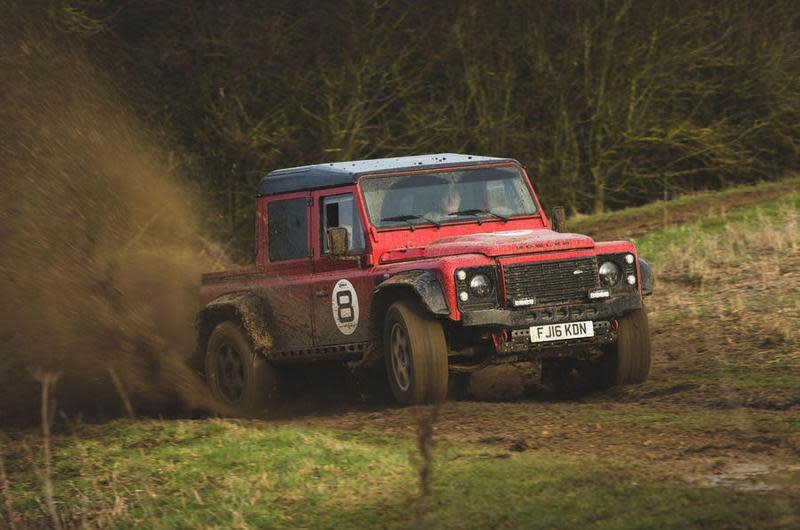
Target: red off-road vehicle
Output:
[(437, 264)]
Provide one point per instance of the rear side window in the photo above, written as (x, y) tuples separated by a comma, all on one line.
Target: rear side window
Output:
[(287, 223)]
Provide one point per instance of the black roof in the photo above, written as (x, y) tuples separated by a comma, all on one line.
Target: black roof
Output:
[(342, 173)]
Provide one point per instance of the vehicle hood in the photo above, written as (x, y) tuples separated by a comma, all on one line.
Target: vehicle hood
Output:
[(507, 243)]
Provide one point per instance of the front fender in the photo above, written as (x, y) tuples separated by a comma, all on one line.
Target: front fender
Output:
[(424, 283)]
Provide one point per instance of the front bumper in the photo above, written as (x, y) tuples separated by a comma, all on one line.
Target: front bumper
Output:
[(606, 310)]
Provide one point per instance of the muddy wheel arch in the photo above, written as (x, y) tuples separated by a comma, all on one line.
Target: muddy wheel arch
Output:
[(422, 285), (244, 307)]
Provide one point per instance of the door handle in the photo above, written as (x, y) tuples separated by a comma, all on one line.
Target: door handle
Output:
[(322, 293)]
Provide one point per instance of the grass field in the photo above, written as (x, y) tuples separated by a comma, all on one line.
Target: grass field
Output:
[(225, 473), (712, 440)]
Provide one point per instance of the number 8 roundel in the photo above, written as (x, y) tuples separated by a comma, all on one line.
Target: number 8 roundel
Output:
[(344, 302)]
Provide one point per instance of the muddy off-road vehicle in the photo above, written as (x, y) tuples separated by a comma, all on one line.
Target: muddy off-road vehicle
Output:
[(434, 265)]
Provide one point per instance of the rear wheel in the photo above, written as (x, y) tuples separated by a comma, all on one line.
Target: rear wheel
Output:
[(628, 360), (415, 352), (242, 382)]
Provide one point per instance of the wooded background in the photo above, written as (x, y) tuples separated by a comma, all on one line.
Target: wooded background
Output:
[(607, 103)]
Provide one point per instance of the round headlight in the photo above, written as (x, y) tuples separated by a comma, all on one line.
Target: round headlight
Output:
[(629, 259), (609, 274), (480, 285)]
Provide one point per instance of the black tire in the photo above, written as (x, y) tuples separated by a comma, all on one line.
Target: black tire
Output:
[(242, 382), (415, 353), (628, 360)]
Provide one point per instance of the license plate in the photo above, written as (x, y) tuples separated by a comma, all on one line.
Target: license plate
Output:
[(564, 331)]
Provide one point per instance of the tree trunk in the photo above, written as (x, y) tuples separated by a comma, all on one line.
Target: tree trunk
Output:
[(599, 190)]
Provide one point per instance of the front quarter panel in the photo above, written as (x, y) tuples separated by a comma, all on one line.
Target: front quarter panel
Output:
[(425, 284)]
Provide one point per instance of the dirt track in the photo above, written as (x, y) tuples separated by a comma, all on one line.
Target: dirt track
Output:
[(688, 420)]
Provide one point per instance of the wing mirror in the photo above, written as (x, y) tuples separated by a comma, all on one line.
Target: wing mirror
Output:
[(337, 241), (558, 219)]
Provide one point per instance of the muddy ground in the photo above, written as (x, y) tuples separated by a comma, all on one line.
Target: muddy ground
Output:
[(721, 407), (688, 421)]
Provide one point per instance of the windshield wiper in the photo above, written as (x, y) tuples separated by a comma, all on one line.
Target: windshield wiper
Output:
[(504, 218), (406, 218), (475, 211)]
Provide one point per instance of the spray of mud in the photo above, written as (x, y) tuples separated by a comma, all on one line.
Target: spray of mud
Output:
[(101, 249)]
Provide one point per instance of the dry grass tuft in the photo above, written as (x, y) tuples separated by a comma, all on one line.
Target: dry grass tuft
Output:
[(12, 517), (425, 418), (47, 380)]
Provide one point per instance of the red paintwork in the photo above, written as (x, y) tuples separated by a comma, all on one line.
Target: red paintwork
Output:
[(300, 289), (505, 243)]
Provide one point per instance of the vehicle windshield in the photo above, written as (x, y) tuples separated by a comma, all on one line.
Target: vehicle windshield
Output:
[(446, 196)]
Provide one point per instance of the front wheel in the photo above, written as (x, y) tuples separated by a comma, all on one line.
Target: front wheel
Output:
[(628, 360), (415, 352), (240, 381)]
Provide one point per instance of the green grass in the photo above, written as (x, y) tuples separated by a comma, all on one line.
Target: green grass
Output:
[(224, 474), (770, 302), (742, 374), (680, 419), (664, 318), (776, 376), (674, 415)]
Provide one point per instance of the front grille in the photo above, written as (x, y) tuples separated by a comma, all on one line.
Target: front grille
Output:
[(551, 281)]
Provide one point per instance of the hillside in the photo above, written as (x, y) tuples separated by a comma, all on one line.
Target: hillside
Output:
[(637, 222)]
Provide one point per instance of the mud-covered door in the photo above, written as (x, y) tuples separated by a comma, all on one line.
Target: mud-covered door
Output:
[(342, 288), (289, 266)]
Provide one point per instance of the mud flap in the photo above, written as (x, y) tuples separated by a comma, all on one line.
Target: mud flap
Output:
[(647, 277)]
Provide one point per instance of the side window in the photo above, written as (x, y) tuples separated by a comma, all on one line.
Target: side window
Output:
[(287, 224), (340, 210)]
